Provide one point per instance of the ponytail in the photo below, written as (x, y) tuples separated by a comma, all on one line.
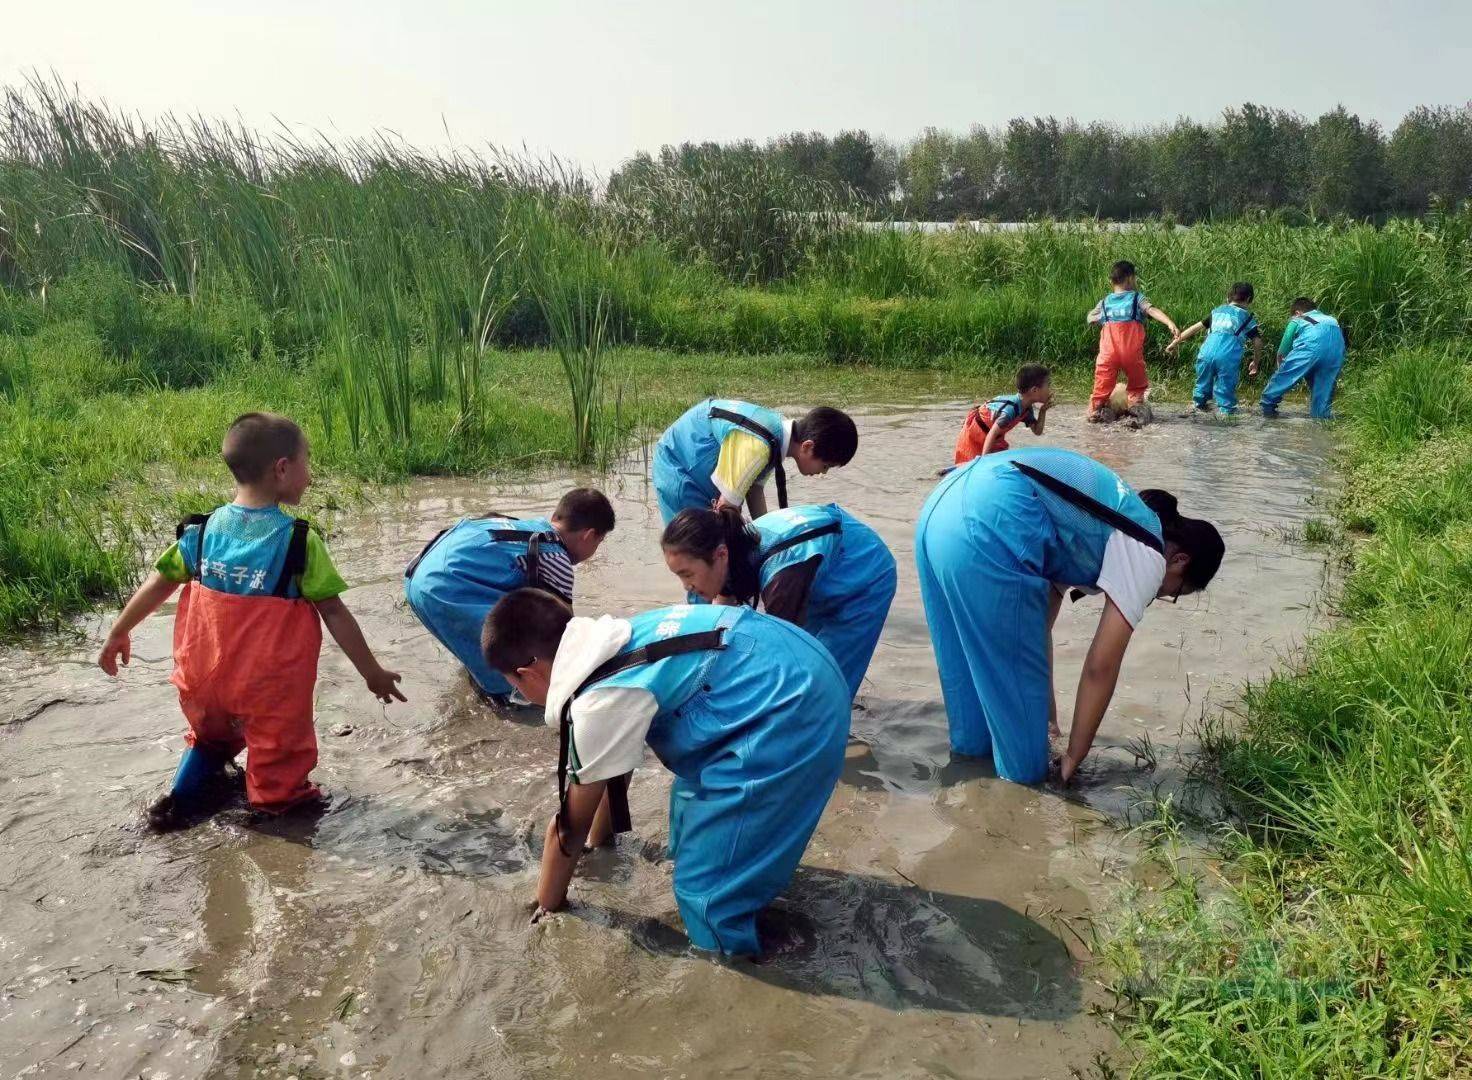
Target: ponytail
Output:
[(1197, 538), (698, 533)]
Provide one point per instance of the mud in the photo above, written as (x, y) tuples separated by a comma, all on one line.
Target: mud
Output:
[(939, 920)]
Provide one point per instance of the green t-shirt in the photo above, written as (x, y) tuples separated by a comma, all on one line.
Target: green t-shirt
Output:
[(320, 580), (1289, 333)]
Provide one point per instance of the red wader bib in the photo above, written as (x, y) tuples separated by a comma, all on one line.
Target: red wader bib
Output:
[(1121, 348), (972, 440), (246, 669)]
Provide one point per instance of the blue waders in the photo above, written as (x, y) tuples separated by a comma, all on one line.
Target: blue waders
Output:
[(1316, 357), (854, 585), (752, 721), (686, 455), (1219, 364), (460, 575), (993, 538)]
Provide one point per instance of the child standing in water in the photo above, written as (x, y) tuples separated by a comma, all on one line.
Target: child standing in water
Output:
[(986, 427), (1219, 364), (749, 713), (1121, 319), (247, 633), (456, 580), (723, 451), (1312, 350)]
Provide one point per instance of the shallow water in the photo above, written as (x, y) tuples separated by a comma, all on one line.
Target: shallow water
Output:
[(940, 913)]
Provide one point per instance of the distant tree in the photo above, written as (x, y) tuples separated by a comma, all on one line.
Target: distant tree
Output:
[(1263, 154), (1032, 160), (1430, 157), (1185, 168), (926, 178), (1346, 165)]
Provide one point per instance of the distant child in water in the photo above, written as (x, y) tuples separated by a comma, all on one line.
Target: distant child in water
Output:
[(1219, 364), (986, 427), (1121, 317), (258, 584)]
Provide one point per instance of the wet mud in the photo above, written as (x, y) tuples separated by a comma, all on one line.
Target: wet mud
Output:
[(936, 928)]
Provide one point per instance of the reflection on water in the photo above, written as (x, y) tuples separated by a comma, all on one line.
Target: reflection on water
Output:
[(932, 928)]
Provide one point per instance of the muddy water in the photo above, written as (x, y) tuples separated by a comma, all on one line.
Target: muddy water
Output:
[(940, 910)]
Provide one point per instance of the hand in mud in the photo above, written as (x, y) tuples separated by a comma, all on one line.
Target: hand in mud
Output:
[(1252, 369), (1066, 768), (116, 647), (539, 912), (384, 684)]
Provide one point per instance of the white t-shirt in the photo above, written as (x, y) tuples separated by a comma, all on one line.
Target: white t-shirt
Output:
[(1130, 575), (609, 723)]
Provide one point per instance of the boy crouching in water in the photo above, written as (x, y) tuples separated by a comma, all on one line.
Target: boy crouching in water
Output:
[(986, 427), (247, 635)]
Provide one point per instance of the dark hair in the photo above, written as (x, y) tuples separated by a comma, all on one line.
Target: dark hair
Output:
[(1301, 304), (835, 438), (1240, 292), (1030, 376), (585, 508), (697, 533), (255, 441), (1121, 272), (1197, 538), (525, 624)]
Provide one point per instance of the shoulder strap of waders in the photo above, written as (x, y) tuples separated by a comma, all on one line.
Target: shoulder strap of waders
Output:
[(192, 520), (1093, 507), (618, 788), (800, 538), (1246, 324), (774, 447), (295, 564), (1135, 306), (1309, 319), (414, 562)]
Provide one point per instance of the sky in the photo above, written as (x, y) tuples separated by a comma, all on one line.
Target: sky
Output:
[(594, 82)]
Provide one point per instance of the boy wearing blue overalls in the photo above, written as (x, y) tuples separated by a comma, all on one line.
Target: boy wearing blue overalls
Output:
[(1219, 364), (723, 451), (1312, 351), (455, 581), (749, 712)]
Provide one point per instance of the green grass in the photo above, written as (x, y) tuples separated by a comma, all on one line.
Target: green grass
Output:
[(1335, 940)]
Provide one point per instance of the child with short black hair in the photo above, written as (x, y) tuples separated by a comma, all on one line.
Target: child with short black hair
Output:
[(1312, 351), (1121, 319), (721, 451), (986, 427), (455, 581), (258, 586), (1219, 363)]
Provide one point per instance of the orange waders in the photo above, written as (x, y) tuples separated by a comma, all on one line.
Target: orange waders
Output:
[(1121, 348), (246, 668)]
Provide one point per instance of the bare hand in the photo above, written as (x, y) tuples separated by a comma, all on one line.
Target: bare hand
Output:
[(116, 647), (1252, 369), (1067, 767), (540, 912), (1170, 350), (384, 684)]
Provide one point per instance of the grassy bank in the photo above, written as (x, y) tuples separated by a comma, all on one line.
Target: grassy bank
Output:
[(1336, 940), (97, 460)]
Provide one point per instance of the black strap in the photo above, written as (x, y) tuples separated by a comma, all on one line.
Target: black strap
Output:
[(192, 520), (800, 538), (1246, 325), (414, 562), (618, 788), (1135, 307), (295, 564), (774, 447), (1095, 509), (1306, 317)]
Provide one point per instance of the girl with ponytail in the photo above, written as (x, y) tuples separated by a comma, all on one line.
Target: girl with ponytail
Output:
[(714, 553)]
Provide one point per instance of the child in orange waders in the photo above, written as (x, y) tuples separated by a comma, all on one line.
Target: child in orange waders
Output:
[(1121, 318), (986, 426), (247, 632)]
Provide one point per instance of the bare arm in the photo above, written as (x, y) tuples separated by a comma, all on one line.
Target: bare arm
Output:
[(1161, 317), (560, 854), (1256, 356), (1055, 604), (756, 501), (1096, 685), (1037, 425), (148, 599), (349, 637), (993, 433), (1185, 335)]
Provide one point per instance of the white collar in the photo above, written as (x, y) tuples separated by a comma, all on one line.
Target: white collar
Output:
[(786, 437), (586, 643)]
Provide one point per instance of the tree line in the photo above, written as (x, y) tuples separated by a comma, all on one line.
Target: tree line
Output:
[(1254, 159)]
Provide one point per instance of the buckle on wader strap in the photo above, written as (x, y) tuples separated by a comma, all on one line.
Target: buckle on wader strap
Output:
[(1094, 508), (800, 538), (618, 787), (774, 447), (293, 566)]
